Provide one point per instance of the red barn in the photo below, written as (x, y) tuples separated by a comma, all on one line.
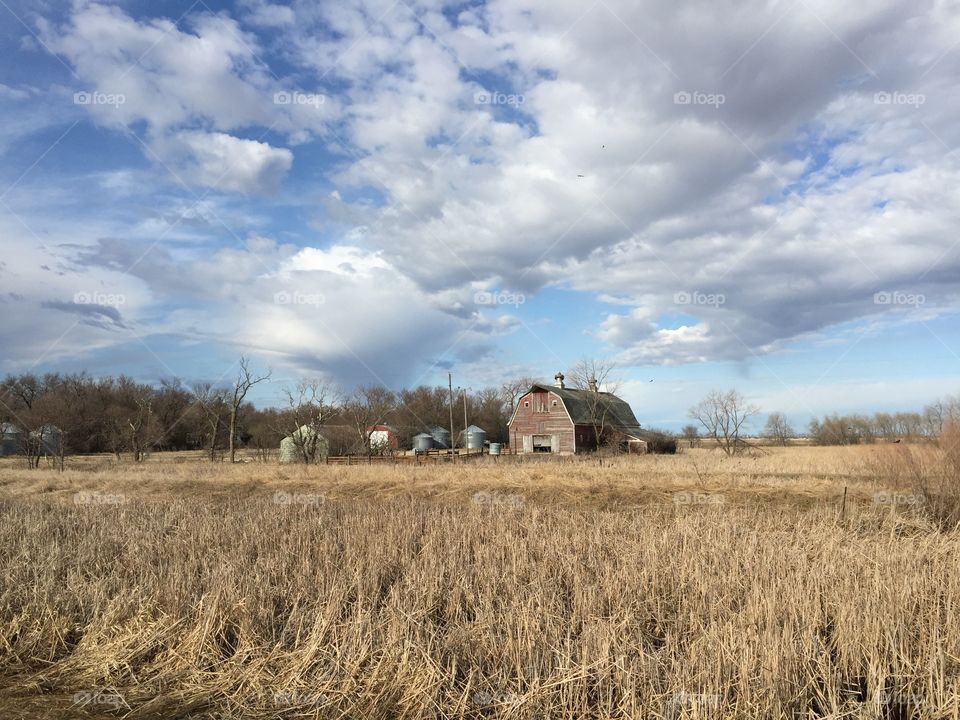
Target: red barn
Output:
[(382, 438), (558, 419)]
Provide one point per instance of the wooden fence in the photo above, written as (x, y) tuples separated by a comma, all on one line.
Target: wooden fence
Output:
[(427, 457)]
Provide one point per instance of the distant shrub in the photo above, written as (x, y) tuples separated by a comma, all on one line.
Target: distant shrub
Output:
[(660, 442)]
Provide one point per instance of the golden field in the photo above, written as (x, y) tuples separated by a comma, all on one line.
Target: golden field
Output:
[(663, 587)]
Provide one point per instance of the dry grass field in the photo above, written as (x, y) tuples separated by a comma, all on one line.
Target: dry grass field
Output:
[(660, 587)]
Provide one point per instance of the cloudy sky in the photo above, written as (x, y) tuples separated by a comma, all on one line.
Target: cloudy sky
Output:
[(714, 194)]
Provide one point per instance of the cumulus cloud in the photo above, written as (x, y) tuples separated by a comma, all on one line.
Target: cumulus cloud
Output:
[(734, 176), (224, 162)]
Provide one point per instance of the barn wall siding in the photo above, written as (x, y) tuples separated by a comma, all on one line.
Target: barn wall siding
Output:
[(528, 421)]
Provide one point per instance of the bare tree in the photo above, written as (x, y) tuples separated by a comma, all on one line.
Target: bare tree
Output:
[(370, 405), (723, 415), (311, 405), (513, 390), (211, 402), (777, 429), (596, 376), (241, 386), (691, 433)]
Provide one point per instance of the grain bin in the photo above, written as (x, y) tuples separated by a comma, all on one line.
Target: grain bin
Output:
[(474, 437), (422, 442), (441, 437)]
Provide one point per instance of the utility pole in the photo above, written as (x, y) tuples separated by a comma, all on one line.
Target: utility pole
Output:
[(465, 411), (453, 439)]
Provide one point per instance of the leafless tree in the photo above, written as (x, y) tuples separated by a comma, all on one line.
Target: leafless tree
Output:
[(691, 433), (513, 390), (311, 405), (777, 429), (596, 376), (723, 416), (211, 403), (246, 379), (370, 405)]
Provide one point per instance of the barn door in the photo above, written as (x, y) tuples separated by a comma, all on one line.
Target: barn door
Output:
[(528, 443)]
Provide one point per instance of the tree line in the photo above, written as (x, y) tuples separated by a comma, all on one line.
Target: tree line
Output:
[(56, 415)]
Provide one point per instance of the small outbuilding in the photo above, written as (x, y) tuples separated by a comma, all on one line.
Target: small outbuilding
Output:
[(11, 440), (306, 445), (383, 438)]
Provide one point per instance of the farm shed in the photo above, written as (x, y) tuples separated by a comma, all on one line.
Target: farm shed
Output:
[(11, 439), (305, 445), (382, 438), (558, 419)]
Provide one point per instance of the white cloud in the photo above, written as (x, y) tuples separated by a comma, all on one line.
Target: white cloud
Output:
[(224, 162)]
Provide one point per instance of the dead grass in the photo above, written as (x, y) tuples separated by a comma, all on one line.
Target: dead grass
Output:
[(692, 586)]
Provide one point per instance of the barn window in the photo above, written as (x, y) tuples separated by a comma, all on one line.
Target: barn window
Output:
[(526, 403), (554, 403)]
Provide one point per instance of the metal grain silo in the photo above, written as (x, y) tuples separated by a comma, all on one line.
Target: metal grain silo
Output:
[(474, 437), (422, 442), (441, 437)]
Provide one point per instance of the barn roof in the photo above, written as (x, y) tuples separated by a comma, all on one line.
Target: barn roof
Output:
[(614, 411)]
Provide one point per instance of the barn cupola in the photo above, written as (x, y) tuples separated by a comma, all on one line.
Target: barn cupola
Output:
[(593, 384), (558, 380)]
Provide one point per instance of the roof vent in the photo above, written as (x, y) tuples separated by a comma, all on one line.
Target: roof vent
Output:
[(593, 384), (558, 378)]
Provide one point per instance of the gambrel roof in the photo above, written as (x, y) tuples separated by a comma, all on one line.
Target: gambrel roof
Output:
[(612, 411)]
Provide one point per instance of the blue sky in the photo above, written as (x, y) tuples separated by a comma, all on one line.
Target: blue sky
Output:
[(760, 196)]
